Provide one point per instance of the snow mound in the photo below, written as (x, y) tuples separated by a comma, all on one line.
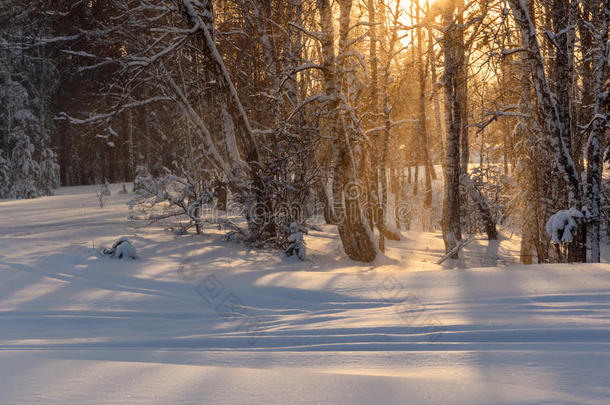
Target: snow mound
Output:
[(121, 249)]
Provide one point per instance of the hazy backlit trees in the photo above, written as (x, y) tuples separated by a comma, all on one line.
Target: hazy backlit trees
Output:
[(303, 106)]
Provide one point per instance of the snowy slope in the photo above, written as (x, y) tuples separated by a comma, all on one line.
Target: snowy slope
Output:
[(200, 320)]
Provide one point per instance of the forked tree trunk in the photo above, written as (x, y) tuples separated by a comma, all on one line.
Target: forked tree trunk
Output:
[(353, 231)]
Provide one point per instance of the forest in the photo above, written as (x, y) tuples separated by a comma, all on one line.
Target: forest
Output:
[(463, 117), (281, 202)]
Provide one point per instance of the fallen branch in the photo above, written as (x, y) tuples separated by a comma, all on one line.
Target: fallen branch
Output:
[(456, 249)]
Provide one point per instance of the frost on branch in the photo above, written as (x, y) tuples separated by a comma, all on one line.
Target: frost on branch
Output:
[(562, 225), (176, 200)]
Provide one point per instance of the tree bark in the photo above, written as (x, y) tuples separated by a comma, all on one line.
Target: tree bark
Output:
[(451, 227), (422, 128), (594, 145)]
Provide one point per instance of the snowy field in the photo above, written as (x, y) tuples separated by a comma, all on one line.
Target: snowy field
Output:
[(197, 319)]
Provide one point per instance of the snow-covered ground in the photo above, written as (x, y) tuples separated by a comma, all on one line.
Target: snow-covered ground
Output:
[(199, 320)]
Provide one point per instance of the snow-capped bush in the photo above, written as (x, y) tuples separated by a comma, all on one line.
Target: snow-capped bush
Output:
[(143, 184), (121, 249), (176, 200), (295, 238), (563, 224)]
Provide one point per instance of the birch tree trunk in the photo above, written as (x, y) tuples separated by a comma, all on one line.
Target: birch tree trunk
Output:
[(435, 95), (422, 127), (374, 198), (347, 191), (462, 91), (452, 231), (596, 139), (388, 56)]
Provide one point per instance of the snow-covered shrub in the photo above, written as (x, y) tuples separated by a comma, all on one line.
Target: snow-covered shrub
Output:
[(177, 201), (296, 243), (143, 183), (121, 249), (102, 193), (562, 225)]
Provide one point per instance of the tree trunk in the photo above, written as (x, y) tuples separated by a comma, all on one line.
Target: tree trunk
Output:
[(422, 128), (594, 145), (355, 235), (452, 232), (374, 197), (462, 90), (435, 95)]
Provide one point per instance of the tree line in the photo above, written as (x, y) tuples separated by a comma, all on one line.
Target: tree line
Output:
[(296, 106)]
